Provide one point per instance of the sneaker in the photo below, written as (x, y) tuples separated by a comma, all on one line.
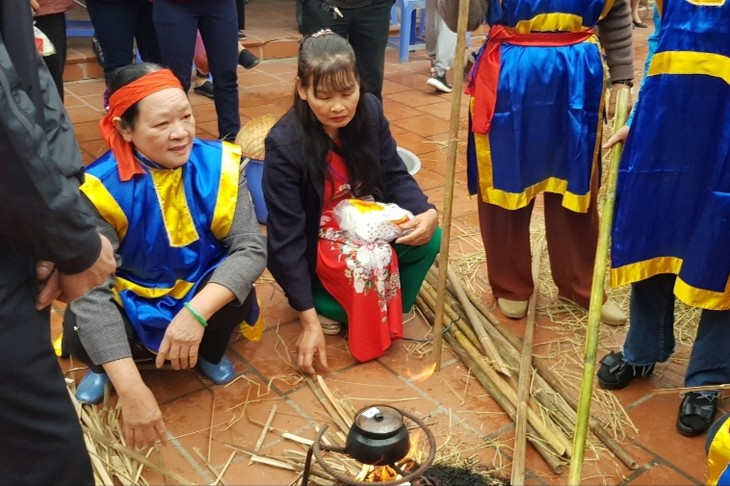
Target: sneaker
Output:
[(205, 89), (329, 326), (247, 59), (241, 35), (440, 83), (514, 309)]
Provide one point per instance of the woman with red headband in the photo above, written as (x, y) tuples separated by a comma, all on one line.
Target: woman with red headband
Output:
[(180, 218)]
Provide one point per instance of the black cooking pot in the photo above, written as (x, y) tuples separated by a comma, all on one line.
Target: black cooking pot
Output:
[(378, 436)]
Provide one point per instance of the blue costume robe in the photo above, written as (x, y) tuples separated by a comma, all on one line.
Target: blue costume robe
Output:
[(170, 223), (545, 133), (673, 195)]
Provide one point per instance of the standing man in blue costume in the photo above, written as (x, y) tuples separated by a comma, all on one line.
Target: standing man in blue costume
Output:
[(535, 129), (670, 237)]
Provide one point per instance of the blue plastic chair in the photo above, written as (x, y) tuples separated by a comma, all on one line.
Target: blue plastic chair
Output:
[(411, 33)]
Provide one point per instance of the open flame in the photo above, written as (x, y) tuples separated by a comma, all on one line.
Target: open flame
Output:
[(391, 472)]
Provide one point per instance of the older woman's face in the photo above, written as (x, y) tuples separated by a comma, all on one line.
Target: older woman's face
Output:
[(164, 129)]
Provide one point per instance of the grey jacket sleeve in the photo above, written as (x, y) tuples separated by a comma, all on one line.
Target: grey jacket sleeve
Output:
[(616, 34), (246, 245), (41, 168), (100, 325)]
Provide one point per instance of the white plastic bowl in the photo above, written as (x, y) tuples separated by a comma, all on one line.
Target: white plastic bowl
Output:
[(413, 163)]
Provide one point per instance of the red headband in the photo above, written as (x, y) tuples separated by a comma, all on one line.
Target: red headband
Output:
[(119, 103)]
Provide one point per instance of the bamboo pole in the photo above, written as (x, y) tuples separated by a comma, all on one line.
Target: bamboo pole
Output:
[(456, 94), (596, 302), (523, 385), (471, 313)]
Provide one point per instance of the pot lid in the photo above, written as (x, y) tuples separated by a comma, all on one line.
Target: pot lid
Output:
[(379, 421)]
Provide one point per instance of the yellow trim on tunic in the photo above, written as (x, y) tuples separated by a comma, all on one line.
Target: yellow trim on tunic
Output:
[(707, 3), (516, 200), (696, 297), (105, 203), (551, 22), (606, 8), (225, 205), (178, 291), (170, 190), (718, 455), (691, 62)]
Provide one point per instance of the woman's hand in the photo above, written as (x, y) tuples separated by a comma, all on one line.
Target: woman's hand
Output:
[(620, 136), (311, 342), (141, 416), (420, 228), (181, 341)]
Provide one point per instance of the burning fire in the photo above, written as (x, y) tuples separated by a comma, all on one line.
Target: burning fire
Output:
[(391, 472)]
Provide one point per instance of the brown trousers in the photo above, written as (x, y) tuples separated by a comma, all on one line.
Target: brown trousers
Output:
[(571, 242)]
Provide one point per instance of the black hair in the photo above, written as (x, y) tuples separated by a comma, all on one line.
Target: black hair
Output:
[(327, 60), (124, 75)]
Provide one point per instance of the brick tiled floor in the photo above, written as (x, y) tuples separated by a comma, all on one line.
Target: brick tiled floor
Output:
[(207, 423)]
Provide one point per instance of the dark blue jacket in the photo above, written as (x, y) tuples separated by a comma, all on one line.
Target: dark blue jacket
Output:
[(294, 201)]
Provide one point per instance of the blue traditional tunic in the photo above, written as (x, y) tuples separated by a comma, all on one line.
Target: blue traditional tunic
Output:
[(170, 225), (544, 134), (673, 195)]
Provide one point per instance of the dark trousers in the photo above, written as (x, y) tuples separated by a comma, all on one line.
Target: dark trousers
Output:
[(241, 11), (366, 28), (41, 436), (177, 24), (571, 241), (117, 24), (214, 344), (54, 26)]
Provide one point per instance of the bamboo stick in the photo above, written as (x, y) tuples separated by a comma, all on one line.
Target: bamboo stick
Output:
[(344, 428), (494, 325), (548, 455), (223, 471), (596, 302), (428, 295), (264, 431), (470, 311), (523, 386), (346, 418), (454, 119)]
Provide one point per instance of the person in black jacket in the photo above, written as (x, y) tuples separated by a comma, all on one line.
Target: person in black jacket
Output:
[(333, 145), (49, 248)]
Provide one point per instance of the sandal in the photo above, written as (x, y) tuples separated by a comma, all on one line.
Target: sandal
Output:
[(616, 373), (696, 412)]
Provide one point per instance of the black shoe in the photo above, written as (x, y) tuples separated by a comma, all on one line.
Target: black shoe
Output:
[(696, 412), (440, 83), (205, 89), (616, 373), (241, 35), (469, 64), (247, 60), (640, 25), (96, 47)]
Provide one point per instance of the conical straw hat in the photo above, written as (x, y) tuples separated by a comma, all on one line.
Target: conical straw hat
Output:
[(252, 135)]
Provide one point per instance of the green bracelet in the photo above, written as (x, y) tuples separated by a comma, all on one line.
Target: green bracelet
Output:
[(195, 314)]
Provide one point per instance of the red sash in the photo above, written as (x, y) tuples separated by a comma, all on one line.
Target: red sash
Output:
[(483, 85)]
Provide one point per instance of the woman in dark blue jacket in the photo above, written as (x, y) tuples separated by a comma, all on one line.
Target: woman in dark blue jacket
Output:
[(334, 143)]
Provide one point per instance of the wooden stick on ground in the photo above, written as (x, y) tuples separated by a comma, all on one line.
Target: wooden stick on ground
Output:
[(454, 119), (596, 302), (523, 386), (265, 430)]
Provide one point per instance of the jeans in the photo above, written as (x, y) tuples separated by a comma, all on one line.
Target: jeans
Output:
[(651, 336), (177, 24), (117, 25)]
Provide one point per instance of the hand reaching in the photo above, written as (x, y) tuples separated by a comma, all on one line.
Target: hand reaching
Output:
[(75, 285)]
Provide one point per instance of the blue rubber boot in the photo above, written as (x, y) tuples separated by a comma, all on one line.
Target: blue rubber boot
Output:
[(220, 373), (91, 388)]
